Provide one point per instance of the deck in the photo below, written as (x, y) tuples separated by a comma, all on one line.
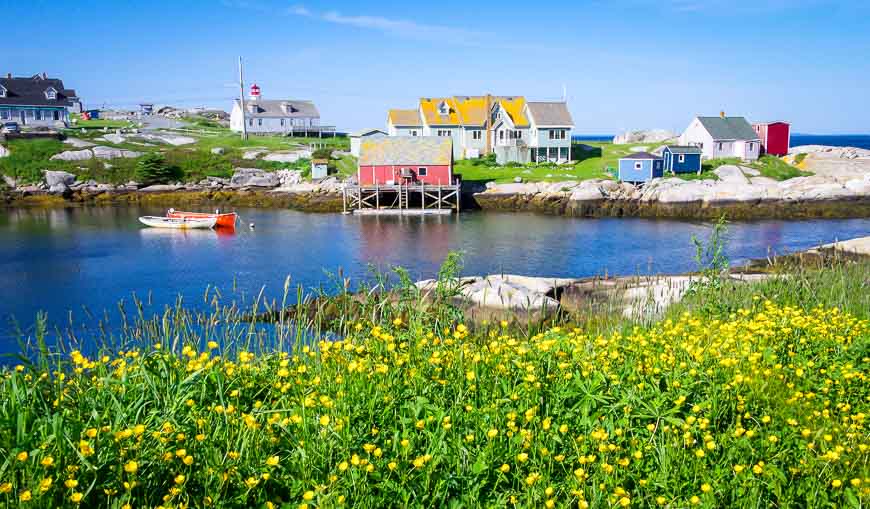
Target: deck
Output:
[(412, 198)]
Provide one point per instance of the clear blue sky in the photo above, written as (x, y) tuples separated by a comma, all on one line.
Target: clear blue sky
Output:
[(625, 63)]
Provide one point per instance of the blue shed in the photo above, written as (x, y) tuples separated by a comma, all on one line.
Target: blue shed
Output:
[(640, 167), (682, 159)]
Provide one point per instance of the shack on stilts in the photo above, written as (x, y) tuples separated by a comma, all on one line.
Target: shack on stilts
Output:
[(404, 175)]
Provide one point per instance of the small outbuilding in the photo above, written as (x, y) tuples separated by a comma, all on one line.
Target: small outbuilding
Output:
[(404, 160), (319, 168), (357, 137), (640, 167), (775, 137), (680, 159)]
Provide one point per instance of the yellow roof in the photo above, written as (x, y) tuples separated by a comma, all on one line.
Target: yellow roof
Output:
[(472, 109), (404, 117), (429, 107), (514, 107)]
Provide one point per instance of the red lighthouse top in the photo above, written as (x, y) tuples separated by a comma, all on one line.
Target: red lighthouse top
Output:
[(255, 90)]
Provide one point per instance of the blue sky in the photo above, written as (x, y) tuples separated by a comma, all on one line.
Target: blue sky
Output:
[(625, 63)]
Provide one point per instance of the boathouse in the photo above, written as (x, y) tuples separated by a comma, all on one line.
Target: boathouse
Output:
[(406, 160), (775, 137), (404, 174), (640, 167), (678, 159)]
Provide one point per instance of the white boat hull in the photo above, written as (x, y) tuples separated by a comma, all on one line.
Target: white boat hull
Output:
[(178, 223)]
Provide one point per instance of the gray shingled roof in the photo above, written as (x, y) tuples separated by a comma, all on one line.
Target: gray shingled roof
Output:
[(365, 132), (407, 150), (677, 149), (550, 113), (728, 128), (640, 155), (31, 92), (275, 109)]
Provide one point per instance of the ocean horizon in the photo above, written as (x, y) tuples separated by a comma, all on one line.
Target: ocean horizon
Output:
[(834, 140)]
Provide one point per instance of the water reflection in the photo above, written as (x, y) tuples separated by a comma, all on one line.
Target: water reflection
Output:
[(62, 259)]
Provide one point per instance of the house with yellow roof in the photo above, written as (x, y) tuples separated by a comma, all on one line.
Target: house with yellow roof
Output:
[(514, 129)]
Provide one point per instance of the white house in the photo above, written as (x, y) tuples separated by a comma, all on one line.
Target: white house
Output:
[(284, 116), (357, 137), (720, 137), (508, 126), (404, 123)]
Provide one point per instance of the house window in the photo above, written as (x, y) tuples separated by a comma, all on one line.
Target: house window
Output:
[(422, 172), (720, 147), (2, 91), (38, 114), (414, 132), (751, 146), (501, 135), (682, 158), (251, 122), (476, 135), (444, 133), (51, 94), (638, 165), (4, 114), (56, 115), (282, 122), (557, 134), (259, 121)]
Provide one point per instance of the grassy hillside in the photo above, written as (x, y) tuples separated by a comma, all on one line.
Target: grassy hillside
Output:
[(29, 158)]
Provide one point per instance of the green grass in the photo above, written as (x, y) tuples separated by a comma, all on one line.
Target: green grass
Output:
[(589, 164), (29, 157), (761, 402), (769, 166), (98, 123)]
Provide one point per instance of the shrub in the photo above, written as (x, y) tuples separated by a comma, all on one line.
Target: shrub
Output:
[(152, 169), (322, 153)]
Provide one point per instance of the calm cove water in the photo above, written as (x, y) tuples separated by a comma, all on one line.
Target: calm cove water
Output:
[(90, 258)]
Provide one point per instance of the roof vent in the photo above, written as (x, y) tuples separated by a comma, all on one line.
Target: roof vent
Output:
[(722, 114)]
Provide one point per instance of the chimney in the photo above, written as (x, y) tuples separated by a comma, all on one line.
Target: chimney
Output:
[(44, 76), (722, 114), (9, 75)]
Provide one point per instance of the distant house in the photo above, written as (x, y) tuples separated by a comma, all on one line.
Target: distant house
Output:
[(357, 136), (37, 101), (404, 123), (775, 137), (146, 109), (640, 167), (679, 159), (406, 160), (513, 129), (282, 116), (722, 136)]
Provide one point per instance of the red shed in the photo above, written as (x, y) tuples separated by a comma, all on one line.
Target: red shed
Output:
[(406, 160), (774, 136)]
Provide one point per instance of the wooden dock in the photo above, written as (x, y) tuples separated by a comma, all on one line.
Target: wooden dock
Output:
[(412, 198)]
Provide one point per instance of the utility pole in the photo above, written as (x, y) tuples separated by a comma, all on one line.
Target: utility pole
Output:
[(242, 101)]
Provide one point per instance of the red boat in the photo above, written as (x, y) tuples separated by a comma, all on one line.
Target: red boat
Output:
[(227, 220)]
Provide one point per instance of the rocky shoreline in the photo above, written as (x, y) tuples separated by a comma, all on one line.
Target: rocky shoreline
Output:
[(838, 188)]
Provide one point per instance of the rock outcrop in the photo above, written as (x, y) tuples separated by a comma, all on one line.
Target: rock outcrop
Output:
[(101, 152), (643, 136), (59, 182), (73, 155), (739, 192), (253, 177), (77, 143)]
